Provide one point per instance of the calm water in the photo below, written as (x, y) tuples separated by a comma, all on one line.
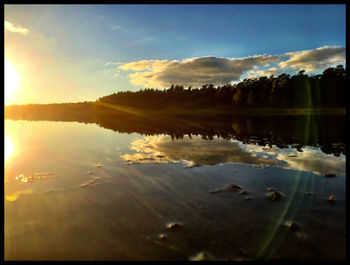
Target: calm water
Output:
[(79, 191)]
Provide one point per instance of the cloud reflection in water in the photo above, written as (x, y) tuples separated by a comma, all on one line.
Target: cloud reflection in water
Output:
[(197, 151)]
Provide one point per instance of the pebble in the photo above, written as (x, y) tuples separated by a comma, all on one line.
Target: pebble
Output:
[(275, 195), (292, 226), (162, 237), (331, 198), (202, 256), (329, 175), (172, 226), (243, 192), (233, 187)]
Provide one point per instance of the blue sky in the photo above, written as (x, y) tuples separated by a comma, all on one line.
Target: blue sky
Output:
[(82, 52)]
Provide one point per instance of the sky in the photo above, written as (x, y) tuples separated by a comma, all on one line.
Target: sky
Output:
[(72, 53)]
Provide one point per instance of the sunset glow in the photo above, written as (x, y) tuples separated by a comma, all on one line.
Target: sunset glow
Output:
[(11, 80), (175, 132)]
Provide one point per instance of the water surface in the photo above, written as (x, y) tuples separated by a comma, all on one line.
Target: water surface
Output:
[(79, 191)]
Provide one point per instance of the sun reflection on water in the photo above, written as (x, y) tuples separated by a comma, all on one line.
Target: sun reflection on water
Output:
[(9, 148)]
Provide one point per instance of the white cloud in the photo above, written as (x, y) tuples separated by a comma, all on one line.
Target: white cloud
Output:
[(112, 63), (312, 60), (193, 71), (17, 29)]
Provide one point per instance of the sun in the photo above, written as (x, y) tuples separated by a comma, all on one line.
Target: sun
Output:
[(11, 80)]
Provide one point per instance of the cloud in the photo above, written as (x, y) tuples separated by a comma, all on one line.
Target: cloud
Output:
[(193, 71), (312, 60), (199, 71), (112, 63), (116, 27), (268, 72), (17, 29)]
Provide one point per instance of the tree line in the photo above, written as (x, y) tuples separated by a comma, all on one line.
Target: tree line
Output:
[(326, 90)]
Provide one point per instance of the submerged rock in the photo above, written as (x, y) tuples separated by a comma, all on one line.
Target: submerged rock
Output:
[(243, 192), (233, 187), (162, 236), (309, 193), (204, 255), (229, 187), (247, 198), (329, 175), (173, 226), (91, 182), (99, 165), (275, 195), (331, 198), (292, 226)]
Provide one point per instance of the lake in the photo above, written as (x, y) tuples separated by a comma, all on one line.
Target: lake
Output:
[(93, 191)]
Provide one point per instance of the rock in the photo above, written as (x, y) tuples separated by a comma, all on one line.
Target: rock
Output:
[(173, 226), (292, 226), (247, 198), (233, 187), (329, 175), (162, 236), (229, 187), (275, 195), (331, 198), (99, 165), (243, 192), (202, 256)]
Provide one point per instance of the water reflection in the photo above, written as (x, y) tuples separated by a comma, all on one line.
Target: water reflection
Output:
[(326, 132), (196, 151), (9, 148)]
